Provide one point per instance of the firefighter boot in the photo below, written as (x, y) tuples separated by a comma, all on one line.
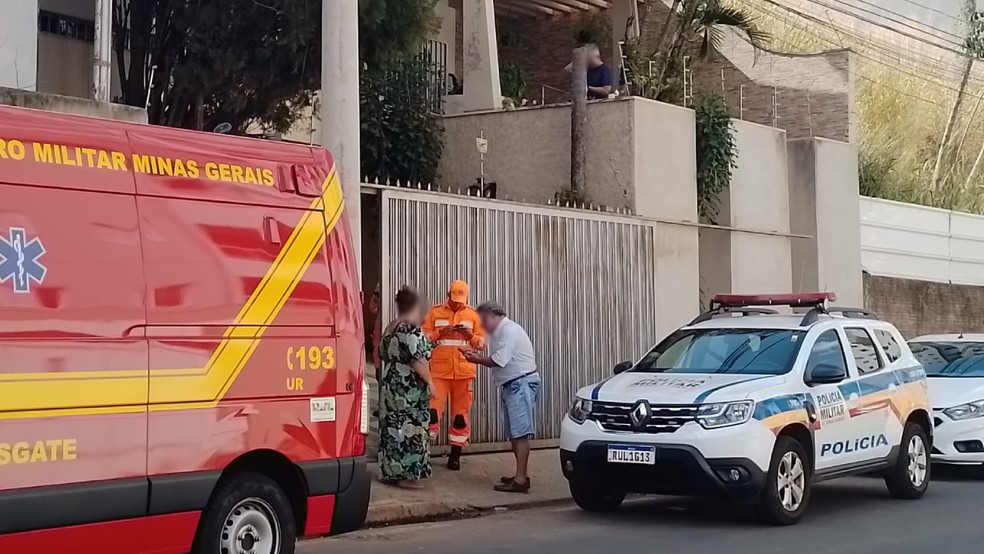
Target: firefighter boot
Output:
[(454, 459)]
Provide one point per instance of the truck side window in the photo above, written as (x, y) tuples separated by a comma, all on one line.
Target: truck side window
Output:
[(864, 351), (827, 351), (889, 345)]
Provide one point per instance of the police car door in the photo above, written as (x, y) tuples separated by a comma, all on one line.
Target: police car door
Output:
[(831, 401), (873, 413)]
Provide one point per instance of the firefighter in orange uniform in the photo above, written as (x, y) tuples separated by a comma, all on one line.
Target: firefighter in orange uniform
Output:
[(451, 326)]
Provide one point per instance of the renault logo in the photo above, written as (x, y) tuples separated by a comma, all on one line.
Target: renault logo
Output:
[(639, 416)]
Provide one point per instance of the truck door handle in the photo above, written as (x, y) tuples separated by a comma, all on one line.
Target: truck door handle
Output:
[(271, 230)]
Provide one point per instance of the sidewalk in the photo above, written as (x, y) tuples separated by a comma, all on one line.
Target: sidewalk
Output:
[(450, 494)]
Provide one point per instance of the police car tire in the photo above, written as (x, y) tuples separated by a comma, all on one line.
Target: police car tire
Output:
[(770, 508), (594, 498), (240, 487), (897, 479)]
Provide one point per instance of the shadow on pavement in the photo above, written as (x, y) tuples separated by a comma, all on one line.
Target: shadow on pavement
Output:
[(827, 499), (956, 473)]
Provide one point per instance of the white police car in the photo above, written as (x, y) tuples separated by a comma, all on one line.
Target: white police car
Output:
[(955, 367), (755, 406)]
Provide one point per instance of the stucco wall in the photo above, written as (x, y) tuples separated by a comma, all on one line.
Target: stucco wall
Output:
[(19, 44), (757, 200), (67, 104), (824, 203), (664, 175), (530, 149)]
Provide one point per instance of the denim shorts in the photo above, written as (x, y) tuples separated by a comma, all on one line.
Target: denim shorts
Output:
[(519, 406)]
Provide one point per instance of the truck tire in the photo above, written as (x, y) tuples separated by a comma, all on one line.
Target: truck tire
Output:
[(786, 494), (909, 479), (595, 497), (248, 513)]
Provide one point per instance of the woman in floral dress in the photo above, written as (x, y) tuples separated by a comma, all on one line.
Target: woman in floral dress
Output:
[(404, 444)]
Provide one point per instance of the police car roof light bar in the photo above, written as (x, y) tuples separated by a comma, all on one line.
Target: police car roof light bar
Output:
[(795, 300)]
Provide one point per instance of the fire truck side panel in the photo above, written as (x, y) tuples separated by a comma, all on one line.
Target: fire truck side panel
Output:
[(73, 360), (170, 303)]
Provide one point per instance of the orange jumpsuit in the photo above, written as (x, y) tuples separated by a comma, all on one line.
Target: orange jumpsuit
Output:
[(452, 374)]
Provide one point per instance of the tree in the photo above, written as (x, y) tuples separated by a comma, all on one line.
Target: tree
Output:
[(208, 62), (974, 47), (401, 137), (392, 30)]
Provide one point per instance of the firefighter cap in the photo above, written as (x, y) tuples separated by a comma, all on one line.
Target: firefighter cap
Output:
[(458, 292)]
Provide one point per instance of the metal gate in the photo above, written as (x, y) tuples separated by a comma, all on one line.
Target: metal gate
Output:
[(581, 283)]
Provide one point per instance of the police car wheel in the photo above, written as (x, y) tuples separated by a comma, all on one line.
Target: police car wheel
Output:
[(248, 514), (596, 497), (787, 487), (909, 479)]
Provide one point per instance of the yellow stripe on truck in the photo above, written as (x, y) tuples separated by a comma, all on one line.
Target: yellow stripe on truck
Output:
[(107, 392)]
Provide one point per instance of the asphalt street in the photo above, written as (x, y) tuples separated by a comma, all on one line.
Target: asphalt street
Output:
[(847, 516)]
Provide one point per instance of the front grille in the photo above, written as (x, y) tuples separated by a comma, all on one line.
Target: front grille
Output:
[(665, 418)]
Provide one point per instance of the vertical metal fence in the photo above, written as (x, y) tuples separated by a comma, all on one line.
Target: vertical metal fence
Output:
[(582, 285), (435, 54)]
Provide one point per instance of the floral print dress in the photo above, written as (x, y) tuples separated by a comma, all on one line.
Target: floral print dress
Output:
[(404, 443)]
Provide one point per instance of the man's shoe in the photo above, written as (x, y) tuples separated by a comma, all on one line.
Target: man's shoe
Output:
[(505, 480), (454, 459), (513, 486)]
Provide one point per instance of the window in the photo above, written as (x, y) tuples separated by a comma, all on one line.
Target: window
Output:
[(889, 345), (66, 26), (950, 359), (865, 354), (742, 351), (827, 351)]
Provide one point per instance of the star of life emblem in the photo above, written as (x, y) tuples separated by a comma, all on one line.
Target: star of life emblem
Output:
[(20, 260)]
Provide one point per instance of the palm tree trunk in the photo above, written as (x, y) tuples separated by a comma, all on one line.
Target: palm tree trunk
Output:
[(666, 23), (973, 170), (685, 21)]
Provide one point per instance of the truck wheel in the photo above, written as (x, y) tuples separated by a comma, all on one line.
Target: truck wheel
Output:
[(593, 497), (787, 486), (909, 479), (248, 514)]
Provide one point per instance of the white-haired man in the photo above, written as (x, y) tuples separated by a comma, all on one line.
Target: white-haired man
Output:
[(512, 360)]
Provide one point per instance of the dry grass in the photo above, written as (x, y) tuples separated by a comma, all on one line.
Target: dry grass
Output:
[(903, 99)]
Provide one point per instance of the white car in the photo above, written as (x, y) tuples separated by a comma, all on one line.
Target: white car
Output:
[(754, 406), (955, 367)]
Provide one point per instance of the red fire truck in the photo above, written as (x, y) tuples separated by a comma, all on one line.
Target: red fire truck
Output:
[(181, 342)]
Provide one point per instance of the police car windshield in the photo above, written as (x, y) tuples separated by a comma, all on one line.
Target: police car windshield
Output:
[(950, 359), (741, 351)]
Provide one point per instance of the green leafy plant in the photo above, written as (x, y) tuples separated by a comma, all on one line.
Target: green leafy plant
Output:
[(572, 198), (401, 138), (593, 27), (512, 80), (716, 152)]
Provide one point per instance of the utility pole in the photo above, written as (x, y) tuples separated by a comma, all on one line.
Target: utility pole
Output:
[(340, 105), (579, 118), (102, 76)]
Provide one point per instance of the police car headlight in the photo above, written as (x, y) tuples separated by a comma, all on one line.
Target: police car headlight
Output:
[(580, 410), (970, 410), (724, 414)]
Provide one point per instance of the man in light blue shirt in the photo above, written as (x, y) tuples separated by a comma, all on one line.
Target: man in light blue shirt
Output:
[(513, 362)]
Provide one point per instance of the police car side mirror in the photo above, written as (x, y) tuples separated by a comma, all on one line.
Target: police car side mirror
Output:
[(622, 367), (826, 375)]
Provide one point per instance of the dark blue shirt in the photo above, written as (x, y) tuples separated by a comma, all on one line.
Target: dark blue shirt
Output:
[(600, 76)]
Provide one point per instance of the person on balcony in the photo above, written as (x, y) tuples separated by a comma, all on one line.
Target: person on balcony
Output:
[(601, 78)]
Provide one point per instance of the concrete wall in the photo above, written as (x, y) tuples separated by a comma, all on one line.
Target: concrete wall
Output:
[(67, 104), (824, 204), (923, 243), (757, 258), (529, 152), (19, 44)]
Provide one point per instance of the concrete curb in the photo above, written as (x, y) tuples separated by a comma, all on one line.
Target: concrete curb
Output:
[(401, 514)]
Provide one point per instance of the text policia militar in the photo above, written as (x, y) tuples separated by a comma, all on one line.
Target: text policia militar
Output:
[(96, 158)]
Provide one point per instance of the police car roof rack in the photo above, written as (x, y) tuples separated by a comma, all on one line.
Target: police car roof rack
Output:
[(856, 313), (725, 310)]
